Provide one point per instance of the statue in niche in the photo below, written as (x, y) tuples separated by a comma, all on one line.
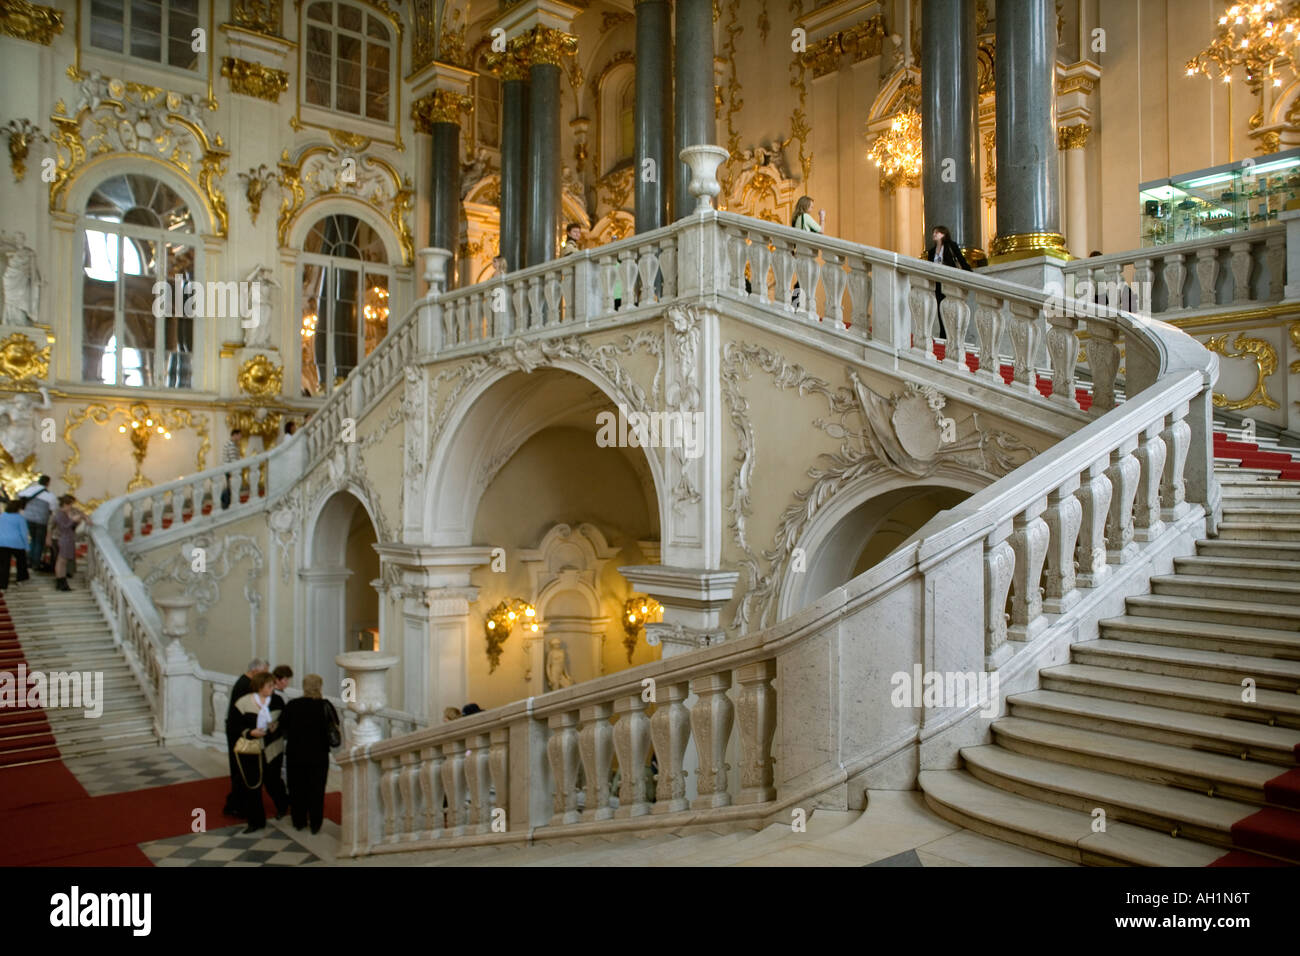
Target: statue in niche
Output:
[(557, 677), (260, 311), (474, 171), (22, 281), (19, 432)]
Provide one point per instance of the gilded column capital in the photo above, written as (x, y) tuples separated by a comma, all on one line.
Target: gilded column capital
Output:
[(30, 21), (545, 45), (440, 106), (512, 64), (1073, 137)]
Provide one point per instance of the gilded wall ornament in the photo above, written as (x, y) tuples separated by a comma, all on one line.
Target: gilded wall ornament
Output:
[(259, 377), (30, 21), (424, 35), (171, 419), (17, 475), (255, 183), (440, 106), (546, 45), (1073, 137), (260, 16), (1294, 332), (22, 364), (22, 133), (253, 79), (1265, 358)]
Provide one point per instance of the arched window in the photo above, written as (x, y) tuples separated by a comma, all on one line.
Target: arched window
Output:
[(626, 122), (160, 31), (348, 60), (487, 105), (344, 297), (136, 233)]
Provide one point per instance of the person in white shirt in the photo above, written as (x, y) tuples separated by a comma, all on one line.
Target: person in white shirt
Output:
[(37, 504), (803, 219)]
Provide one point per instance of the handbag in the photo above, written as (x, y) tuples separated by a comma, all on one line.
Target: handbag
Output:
[(335, 735), (246, 746)]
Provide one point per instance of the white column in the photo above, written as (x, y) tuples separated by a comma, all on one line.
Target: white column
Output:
[(325, 619)]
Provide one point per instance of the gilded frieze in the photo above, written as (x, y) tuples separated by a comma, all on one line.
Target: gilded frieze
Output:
[(254, 79)]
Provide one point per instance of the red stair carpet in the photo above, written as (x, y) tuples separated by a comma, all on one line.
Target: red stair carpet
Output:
[(25, 733)]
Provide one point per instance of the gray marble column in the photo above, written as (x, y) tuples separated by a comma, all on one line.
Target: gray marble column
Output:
[(514, 169), (444, 198), (695, 123), (950, 123), (654, 84), (1029, 211), (543, 163)]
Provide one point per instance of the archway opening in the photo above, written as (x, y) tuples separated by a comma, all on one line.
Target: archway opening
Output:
[(342, 603)]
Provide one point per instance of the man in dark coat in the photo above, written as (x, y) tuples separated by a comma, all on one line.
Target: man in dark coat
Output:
[(234, 726), (275, 743), (945, 252)]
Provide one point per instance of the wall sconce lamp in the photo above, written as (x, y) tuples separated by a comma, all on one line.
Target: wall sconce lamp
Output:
[(501, 620), (638, 610), (143, 426)]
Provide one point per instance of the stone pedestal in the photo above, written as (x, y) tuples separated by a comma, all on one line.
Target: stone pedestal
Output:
[(181, 714), (368, 693), (1291, 217)]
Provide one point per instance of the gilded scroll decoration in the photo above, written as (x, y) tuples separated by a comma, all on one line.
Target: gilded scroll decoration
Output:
[(30, 21), (260, 16), (253, 79), (22, 364), (260, 377), (1265, 358), (22, 134), (170, 419)]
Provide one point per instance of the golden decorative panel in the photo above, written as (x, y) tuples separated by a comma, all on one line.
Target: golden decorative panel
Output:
[(254, 79), (260, 16), (22, 363), (261, 421), (17, 475), (260, 377), (1294, 332), (30, 21), (1265, 357), (173, 419)]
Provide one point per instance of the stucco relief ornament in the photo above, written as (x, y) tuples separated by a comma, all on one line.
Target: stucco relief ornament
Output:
[(284, 523), (557, 675)]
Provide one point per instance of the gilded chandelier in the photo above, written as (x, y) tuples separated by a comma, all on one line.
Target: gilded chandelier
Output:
[(501, 620), (1255, 37), (897, 151)]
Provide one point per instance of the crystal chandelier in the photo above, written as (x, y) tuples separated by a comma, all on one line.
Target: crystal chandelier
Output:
[(1255, 37), (897, 151)]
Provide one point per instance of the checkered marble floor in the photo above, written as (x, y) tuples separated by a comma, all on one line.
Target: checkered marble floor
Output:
[(230, 846), (125, 770)]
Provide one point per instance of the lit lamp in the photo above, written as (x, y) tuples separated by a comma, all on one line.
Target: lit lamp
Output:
[(638, 610), (143, 426), (501, 620), (897, 151), (1255, 37)]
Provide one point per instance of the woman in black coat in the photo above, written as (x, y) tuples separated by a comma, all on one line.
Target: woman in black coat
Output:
[(253, 720), (305, 725)]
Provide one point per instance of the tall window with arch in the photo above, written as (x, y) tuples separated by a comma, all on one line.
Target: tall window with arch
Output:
[(626, 119), (344, 287), (347, 60), (487, 105), (136, 231), (160, 31)]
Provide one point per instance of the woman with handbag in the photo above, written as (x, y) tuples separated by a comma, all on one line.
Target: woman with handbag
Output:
[(254, 713), (310, 727)]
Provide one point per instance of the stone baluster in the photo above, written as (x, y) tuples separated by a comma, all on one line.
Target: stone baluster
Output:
[(990, 323), (783, 268), (568, 290), (1103, 359), (389, 771), (562, 751), (462, 320), (1275, 261), (711, 720), (956, 320), (1123, 474), (999, 565), (1144, 274), (1177, 438), (668, 268), (756, 718), (608, 283), (596, 744), (859, 296), (499, 747), (627, 273), (137, 517), (176, 506), (536, 318), (1094, 498), (431, 762), (1242, 265), (670, 728), (1175, 276), (519, 303), (1025, 337), (834, 278), (1207, 274), (553, 297), (408, 788), (760, 258), (806, 269), (924, 313), (1029, 540), (477, 761), (647, 267), (1063, 516), (1147, 525), (632, 745), (453, 785), (1063, 350), (1113, 277), (737, 256)]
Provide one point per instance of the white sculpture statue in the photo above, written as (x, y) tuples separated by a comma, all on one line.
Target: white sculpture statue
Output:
[(556, 674), (19, 431), (260, 308), (22, 282)]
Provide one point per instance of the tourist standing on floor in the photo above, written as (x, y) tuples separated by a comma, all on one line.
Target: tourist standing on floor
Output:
[(243, 686), (254, 712), (944, 251), (38, 505), (15, 542), (307, 724), (275, 743), (63, 537), (803, 219), (229, 454)]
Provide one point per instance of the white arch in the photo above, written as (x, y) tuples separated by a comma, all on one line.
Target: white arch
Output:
[(315, 512), (477, 433), (105, 167), (322, 206)]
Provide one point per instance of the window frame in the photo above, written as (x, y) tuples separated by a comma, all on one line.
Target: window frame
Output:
[(201, 20), (330, 117)]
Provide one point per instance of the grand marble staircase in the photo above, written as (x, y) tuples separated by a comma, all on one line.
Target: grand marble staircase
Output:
[(55, 631), (1174, 739)]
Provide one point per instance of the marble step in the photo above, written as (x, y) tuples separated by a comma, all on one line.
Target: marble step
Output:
[(1248, 507), (1258, 474), (1271, 707), (1261, 569), (1251, 590), (1240, 528), (1238, 738), (1249, 490), (1261, 550), (1241, 613), (1208, 773), (1124, 799), (1202, 635), (960, 798), (1173, 661)]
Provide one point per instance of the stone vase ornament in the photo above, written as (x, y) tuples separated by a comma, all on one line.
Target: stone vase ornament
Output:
[(175, 622), (704, 162), (435, 268), (368, 670)]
